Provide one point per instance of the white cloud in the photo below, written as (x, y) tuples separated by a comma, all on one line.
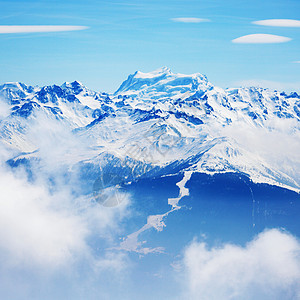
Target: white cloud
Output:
[(263, 143), (47, 225), (278, 23), (57, 240), (261, 38), (45, 230), (38, 28), (4, 109), (297, 62), (190, 20), (266, 268), (33, 229)]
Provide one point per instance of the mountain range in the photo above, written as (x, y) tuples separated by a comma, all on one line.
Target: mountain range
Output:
[(156, 124)]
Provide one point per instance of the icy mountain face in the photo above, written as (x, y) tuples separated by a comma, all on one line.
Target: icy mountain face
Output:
[(162, 84), (163, 123)]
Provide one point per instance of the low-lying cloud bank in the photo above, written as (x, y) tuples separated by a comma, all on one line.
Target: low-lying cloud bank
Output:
[(268, 267), (34, 225), (50, 228), (54, 241)]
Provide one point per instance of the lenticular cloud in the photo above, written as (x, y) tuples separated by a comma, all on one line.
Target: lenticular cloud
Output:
[(278, 23), (261, 38), (38, 28)]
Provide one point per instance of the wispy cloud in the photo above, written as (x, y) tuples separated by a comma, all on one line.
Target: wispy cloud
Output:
[(4, 109), (266, 143), (39, 28), (261, 38), (266, 268), (297, 62), (278, 23), (190, 20)]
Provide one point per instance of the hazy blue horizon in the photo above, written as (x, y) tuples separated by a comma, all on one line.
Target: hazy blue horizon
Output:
[(123, 37)]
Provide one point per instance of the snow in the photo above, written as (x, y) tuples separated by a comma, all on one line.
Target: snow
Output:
[(156, 73), (238, 130), (89, 101), (147, 128)]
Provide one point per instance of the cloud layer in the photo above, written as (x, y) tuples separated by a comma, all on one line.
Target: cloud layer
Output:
[(39, 28), (278, 23), (49, 229), (33, 228), (49, 233), (266, 268), (261, 38), (190, 20)]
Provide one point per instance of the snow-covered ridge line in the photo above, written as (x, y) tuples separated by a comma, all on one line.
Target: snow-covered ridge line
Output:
[(165, 120)]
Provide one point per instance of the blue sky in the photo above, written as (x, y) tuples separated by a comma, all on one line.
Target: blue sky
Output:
[(125, 36)]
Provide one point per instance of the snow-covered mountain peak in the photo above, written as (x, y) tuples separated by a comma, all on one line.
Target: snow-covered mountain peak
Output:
[(75, 86), (13, 86), (15, 90), (167, 120), (162, 83), (156, 73)]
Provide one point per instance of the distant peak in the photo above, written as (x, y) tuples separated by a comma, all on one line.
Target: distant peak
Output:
[(163, 80), (72, 84), (76, 83), (65, 84), (14, 85)]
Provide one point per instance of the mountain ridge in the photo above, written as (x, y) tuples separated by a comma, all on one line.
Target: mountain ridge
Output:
[(159, 119)]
